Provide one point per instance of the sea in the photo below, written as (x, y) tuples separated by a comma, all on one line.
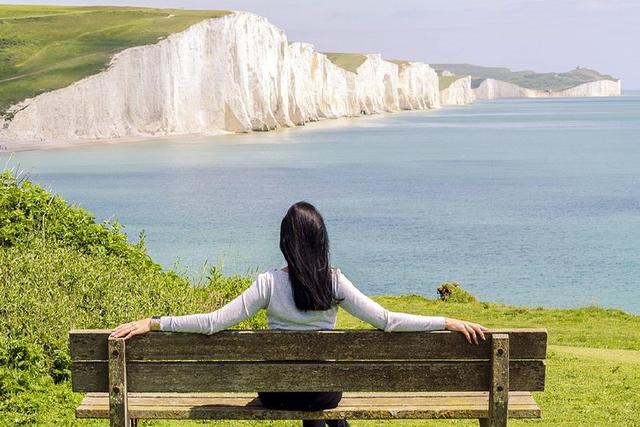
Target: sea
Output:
[(532, 202)]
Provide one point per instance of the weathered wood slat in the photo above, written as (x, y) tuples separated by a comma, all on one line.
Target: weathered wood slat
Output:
[(461, 396), (353, 405), (307, 376), (397, 397), (165, 396), (294, 345), (352, 402)]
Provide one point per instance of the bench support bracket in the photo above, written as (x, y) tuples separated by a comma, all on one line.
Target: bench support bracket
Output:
[(118, 410)]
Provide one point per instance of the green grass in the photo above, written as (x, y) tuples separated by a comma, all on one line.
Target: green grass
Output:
[(59, 269), (348, 61), (585, 386), (49, 47), (445, 81), (526, 78)]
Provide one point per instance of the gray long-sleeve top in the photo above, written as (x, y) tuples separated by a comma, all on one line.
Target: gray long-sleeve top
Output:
[(272, 290)]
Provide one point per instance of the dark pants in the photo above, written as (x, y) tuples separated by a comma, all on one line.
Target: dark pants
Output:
[(304, 401)]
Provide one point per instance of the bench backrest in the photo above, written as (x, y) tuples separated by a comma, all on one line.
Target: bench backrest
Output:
[(346, 360)]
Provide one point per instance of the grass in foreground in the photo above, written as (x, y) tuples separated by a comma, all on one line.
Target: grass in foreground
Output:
[(59, 270), (43, 48)]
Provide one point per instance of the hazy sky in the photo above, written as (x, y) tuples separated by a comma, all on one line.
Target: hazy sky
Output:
[(542, 35)]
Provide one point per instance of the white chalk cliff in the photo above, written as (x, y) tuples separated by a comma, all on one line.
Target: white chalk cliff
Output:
[(236, 73), (492, 89), (458, 93)]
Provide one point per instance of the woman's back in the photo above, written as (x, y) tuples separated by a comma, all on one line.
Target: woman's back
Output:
[(282, 312)]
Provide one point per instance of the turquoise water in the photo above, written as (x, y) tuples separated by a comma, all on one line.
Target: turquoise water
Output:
[(533, 202)]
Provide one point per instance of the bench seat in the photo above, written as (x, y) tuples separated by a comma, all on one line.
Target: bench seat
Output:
[(410, 405)]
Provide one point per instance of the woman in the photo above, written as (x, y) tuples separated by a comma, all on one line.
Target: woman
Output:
[(304, 295)]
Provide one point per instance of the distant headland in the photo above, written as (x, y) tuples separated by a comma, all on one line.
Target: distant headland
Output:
[(499, 82)]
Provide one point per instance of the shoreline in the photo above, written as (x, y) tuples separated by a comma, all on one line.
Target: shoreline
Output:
[(12, 146), (8, 146)]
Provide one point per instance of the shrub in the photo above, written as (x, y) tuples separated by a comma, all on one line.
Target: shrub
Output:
[(453, 292), (27, 210), (60, 270)]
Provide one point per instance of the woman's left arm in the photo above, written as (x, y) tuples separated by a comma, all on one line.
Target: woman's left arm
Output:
[(241, 308)]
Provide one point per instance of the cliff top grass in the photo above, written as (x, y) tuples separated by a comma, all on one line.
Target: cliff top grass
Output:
[(445, 81), (43, 48), (526, 78), (348, 61)]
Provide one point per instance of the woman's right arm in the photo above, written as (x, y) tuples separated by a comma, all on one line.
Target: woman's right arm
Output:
[(242, 307), (364, 308)]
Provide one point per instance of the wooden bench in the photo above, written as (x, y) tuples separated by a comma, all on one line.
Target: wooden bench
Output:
[(407, 375)]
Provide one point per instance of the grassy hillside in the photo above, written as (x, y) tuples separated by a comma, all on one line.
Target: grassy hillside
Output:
[(527, 78), (59, 269), (49, 47), (446, 81), (348, 61)]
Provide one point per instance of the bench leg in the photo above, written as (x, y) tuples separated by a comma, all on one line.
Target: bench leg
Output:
[(118, 410), (134, 422), (488, 422), (499, 392)]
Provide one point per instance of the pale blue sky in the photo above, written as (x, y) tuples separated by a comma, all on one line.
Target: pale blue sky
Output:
[(542, 35)]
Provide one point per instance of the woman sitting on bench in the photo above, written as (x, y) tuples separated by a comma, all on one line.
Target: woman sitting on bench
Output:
[(304, 295)]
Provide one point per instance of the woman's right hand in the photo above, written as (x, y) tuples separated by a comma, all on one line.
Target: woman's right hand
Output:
[(470, 330)]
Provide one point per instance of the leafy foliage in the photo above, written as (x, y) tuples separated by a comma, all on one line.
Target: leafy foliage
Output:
[(28, 210), (453, 292), (60, 270)]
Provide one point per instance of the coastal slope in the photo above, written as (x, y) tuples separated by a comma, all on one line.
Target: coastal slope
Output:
[(235, 73)]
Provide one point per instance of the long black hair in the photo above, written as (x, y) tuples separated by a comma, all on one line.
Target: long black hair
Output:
[(304, 242)]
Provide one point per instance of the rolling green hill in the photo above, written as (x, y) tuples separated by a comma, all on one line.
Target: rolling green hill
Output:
[(526, 78), (49, 47), (348, 61), (446, 81)]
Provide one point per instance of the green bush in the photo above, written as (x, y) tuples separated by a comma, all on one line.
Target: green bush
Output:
[(453, 292), (60, 270), (28, 210)]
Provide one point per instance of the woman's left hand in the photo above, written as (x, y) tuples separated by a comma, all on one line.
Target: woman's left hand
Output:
[(131, 329)]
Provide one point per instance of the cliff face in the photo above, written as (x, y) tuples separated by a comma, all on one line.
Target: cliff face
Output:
[(492, 89), (232, 74), (458, 93), (596, 88), (418, 87)]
